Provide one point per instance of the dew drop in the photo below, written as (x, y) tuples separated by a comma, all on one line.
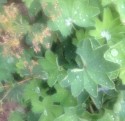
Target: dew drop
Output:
[(106, 35), (68, 21), (114, 52)]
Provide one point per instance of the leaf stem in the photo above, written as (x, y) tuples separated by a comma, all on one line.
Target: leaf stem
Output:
[(91, 109)]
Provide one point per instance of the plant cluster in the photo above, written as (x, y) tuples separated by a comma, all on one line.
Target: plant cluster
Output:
[(62, 60)]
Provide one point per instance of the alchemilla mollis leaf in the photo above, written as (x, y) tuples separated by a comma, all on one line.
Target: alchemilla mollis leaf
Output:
[(50, 65), (94, 72), (69, 12)]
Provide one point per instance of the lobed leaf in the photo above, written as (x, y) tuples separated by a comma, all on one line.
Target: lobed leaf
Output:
[(94, 71)]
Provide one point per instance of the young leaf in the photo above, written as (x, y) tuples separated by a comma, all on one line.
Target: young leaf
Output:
[(94, 71), (109, 29)]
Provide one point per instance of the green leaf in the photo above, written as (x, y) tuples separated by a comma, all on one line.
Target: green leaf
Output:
[(47, 116), (80, 34), (98, 101), (33, 6), (33, 116), (47, 108), (94, 71), (15, 116), (21, 69), (51, 66), (108, 115), (83, 12), (106, 2), (28, 2), (122, 75), (21, 26), (50, 105), (120, 7), (119, 107), (65, 13), (16, 93), (32, 91), (69, 115), (63, 96), (105, 30), (116, 54)]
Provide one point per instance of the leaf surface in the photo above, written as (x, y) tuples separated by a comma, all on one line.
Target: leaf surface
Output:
[(94, 72), (106, 29), (67, 13), (116, 54), (51, 66)]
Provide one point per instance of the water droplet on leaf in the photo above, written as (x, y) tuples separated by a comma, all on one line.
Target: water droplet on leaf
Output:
[(114, 52), (68, 21), (106, 35)]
